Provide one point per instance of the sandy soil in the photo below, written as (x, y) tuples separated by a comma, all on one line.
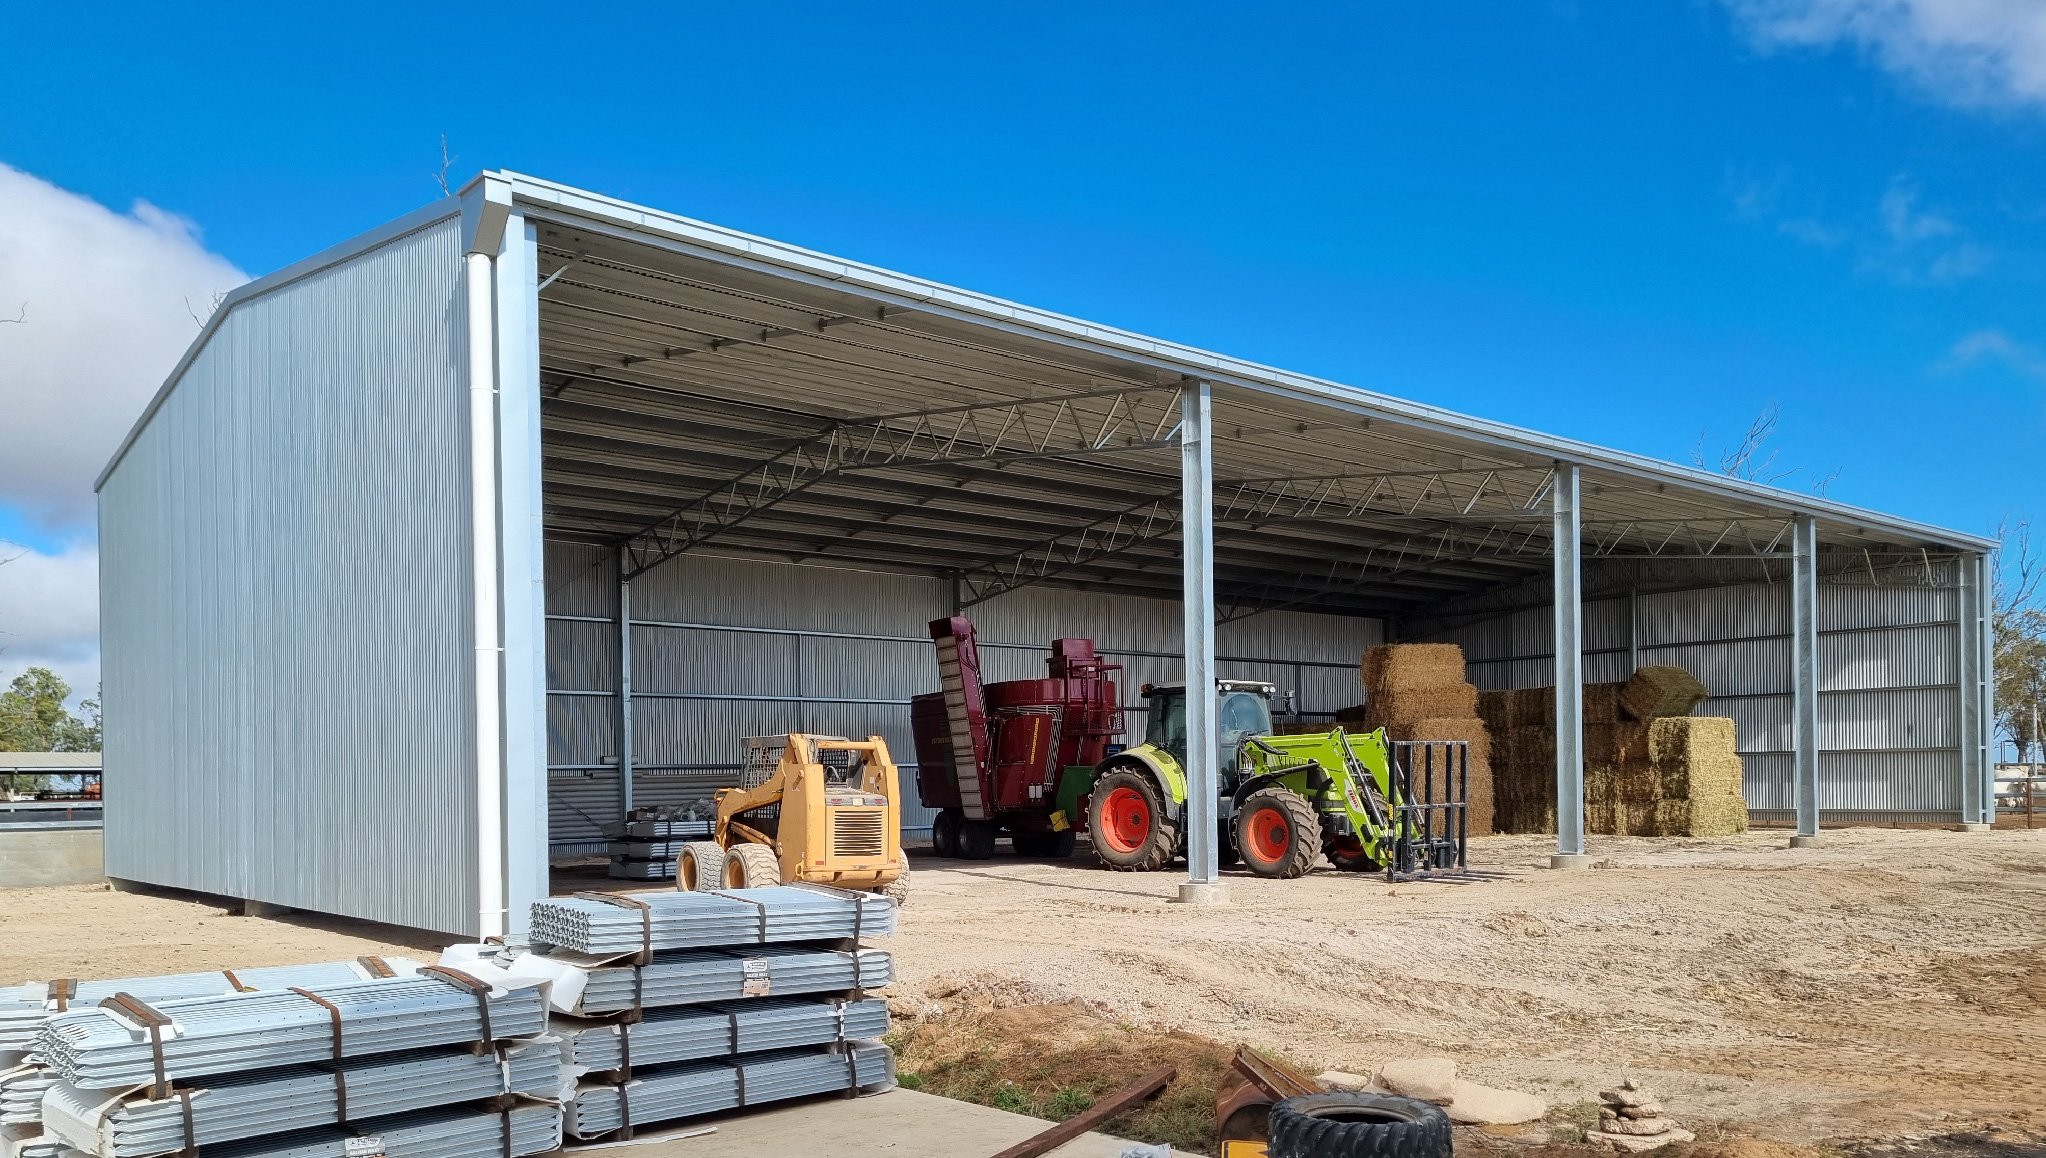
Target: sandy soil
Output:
[(1863, 989), (1889, 982)]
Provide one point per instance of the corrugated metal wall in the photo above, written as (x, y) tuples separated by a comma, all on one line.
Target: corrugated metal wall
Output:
[(1889, 697), (725, 648), (263, 674)]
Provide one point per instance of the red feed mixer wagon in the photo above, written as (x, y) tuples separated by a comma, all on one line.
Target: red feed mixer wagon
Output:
[(1013, 756)]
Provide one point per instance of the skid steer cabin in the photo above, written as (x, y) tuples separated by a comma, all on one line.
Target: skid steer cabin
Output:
[(1039, 759)]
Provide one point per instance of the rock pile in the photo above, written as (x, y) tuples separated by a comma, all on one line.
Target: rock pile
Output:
[(1630, 1119)]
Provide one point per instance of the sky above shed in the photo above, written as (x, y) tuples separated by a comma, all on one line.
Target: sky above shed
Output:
[(1638, 225)]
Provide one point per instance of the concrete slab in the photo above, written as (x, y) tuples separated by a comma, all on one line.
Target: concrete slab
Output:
[(895, 1124), (41, 857)]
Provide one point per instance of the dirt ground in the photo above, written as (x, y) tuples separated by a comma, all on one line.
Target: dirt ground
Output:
[(1889, 984)]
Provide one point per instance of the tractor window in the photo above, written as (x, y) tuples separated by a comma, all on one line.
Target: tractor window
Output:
[(1167, 726), (1243, 714)]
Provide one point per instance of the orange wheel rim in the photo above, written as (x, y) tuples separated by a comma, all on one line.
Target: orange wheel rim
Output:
[(1125, 820), (1268, 834), (1348, 848)]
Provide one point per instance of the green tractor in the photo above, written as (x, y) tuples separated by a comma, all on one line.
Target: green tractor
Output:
[(1285, 801)]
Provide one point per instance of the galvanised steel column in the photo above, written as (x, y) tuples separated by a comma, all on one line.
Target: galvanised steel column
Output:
[(624, 693), (478, 282), (1985, 641), (1977, 770), (1804, 675), (1567, 550), (1197, 562)]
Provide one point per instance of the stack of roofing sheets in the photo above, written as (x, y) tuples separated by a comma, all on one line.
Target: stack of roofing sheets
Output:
[(689, 920), (695, 977), (705, 1088), (452, 1132), (733, 1027)]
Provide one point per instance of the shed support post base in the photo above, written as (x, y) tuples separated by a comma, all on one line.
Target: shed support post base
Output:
[(1202, 893), (1571, 860), (1806, 842), (1971, 826)]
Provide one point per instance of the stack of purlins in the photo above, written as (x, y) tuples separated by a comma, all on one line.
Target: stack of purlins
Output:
[(432, 1063), (1650, 767), (673, 1005), (1417, 691)]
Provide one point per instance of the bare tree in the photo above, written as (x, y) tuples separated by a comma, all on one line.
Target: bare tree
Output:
[(20, 316), (446, 162), (2018, 634), (1753, 459), (199, 319)]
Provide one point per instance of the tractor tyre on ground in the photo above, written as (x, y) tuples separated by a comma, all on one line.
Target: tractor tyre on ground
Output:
[(701, 867), (1347, 854), (1060, 844), (751, 866), (945, 833), (1349, 1125), (1277, 833), (1129, 824), (897, 890), (976, 839)]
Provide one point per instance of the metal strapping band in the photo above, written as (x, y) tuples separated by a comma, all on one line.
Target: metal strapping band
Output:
[(62, 991), (759, 910), (333, 1017), (376, 966), (191, 1136), (504, 1116), (155, 1022), (645, 956), (470, 985), (858, 899), (852, 1071), (340, 1094), (740, 1069), (625, 1112), (234, 982), (625, 1053), (732, 1029)]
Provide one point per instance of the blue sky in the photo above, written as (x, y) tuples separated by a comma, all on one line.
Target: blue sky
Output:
[(1630, 223)]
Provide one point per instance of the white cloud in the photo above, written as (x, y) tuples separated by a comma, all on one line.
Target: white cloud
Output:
[(1998, 347), (108, 300), (49, 614), (1970, 53)]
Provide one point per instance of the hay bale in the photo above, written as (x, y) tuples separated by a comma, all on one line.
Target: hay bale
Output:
[(1637, 782), (1653, 693), (1495, 707), (1719, 816), (1481, 805), (1601, 703), (1533, 707), (1695, 756), (1399, 666), (1408, 706)]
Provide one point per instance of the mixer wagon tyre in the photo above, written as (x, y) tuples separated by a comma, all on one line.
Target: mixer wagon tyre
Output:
[(1131, 829), (751, 866), (1044, 844), (1060, 844), (945, 834), (976, 839), (1347, 1125), (1347, 853), (702, 867), (1277, 833)]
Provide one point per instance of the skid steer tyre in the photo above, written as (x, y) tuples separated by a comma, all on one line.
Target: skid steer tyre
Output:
[(1278, 834), (897, 890), (945, 833), (751, 866), (1130, 827), (1347, 1125), (701, 867)]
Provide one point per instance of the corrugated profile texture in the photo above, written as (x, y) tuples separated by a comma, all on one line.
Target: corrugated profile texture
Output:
[(286, 603), (686, 1091)]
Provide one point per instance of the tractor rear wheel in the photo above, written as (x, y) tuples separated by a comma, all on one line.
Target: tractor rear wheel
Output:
[(1277, 833), (976, 839), (751, 866), (701, 867), (1347, 853), (1131, 829), (945, 833)]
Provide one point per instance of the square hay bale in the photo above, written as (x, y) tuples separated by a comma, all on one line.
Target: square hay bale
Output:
[(1479, 791), (1601, 703), (1636, 782), (1695, 756), (1719, 816), (1495, 707), (1652, 693), (1413, 665), (1601, 743), (1601, 817), (1404, 707), (1533, 707)]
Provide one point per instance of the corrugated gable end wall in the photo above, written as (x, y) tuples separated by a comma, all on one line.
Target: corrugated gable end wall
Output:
[(285, 593), (1889, 696), (728, 648)]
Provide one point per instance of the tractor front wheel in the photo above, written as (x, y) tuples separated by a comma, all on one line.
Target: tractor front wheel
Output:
[(1277, 833), (1131, 829)]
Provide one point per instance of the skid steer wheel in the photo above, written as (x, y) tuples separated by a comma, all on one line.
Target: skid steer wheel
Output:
[(897, 890), (945, 833), (1277, 833), (751, 866), (1346, 1125), (976, 838), (1347, 853), (1129, 825), (702, 866)]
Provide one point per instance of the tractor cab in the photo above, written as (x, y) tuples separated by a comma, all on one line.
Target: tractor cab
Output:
[(1243, 708)]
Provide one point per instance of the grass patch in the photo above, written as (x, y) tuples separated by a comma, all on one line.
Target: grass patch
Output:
[(1055, 1061)]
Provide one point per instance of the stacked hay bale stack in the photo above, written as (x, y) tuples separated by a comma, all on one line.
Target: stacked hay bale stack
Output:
[(1650, 767), (1417, 691)]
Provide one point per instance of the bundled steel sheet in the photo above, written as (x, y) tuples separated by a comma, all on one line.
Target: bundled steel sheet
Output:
[(664, 829), (21, 1094), (102, 1049), (680, 920), (691, 1090), (733, 1027), (625, 868), (241, 1106), (466, 1133), (704, 976), (24, 1008)]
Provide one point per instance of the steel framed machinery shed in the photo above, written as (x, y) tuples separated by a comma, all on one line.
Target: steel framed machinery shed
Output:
[(443, 546)]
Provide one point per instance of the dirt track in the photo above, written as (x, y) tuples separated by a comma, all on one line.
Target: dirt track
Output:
[(1860, 989), (1863, 988)]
